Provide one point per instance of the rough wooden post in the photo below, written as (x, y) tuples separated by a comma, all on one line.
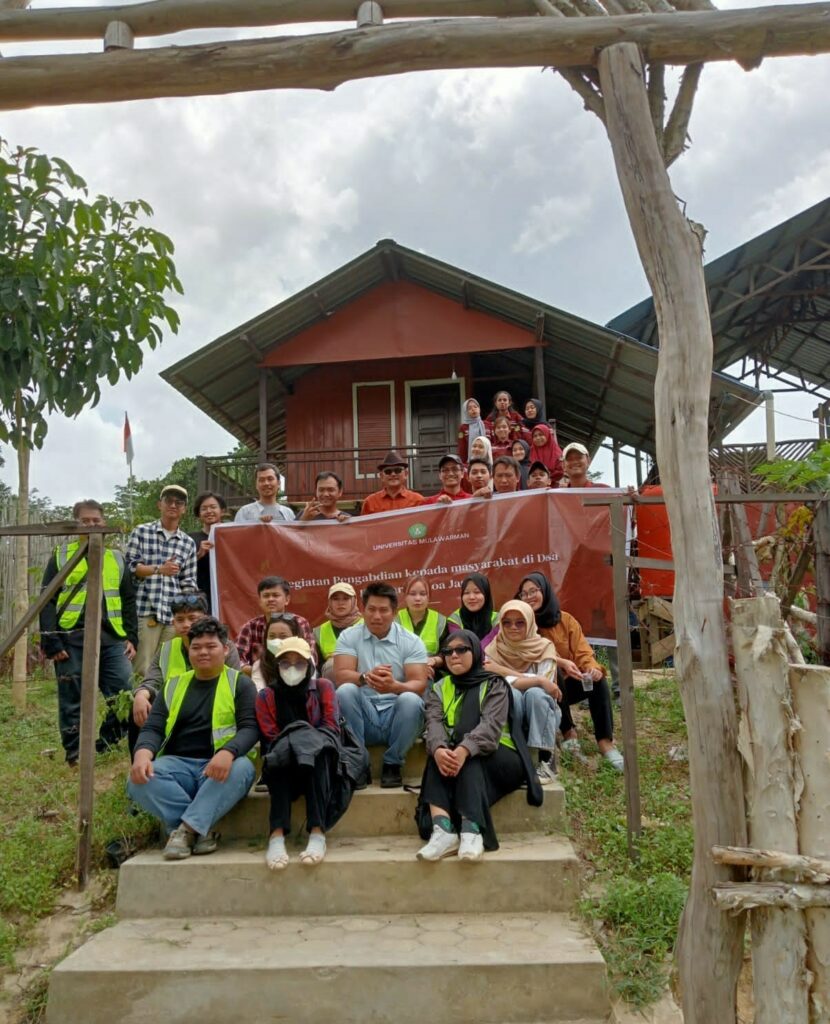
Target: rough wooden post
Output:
[(821, 532), (810, 685), (89, 692), (781, 983), (710, 944)]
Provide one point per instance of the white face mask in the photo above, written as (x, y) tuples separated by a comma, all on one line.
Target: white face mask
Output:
[(292, 675), (274, 645)]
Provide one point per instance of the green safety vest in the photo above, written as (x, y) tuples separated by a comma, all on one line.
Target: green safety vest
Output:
[(431, 631), (113, 572), (455, 618), (223, 719), (171, 658), (327, 638), (451, 699)]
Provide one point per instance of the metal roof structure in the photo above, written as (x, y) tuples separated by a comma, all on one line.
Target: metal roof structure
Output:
[(770, 305), (599, 383)]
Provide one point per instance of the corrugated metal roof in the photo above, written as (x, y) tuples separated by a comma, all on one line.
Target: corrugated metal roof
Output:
[(599, 383), (769, 300)]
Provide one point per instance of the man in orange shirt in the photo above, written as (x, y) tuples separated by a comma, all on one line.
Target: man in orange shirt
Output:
[(394, 494)]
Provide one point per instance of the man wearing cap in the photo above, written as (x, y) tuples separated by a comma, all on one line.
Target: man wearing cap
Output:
[(506, 475), (394, 495), (341, 612), (538, 476), (162, 558), (450, 471), (62, 624), (576, 460), (266, 509)]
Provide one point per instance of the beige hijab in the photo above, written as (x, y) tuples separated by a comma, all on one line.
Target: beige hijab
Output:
[(530, 651)]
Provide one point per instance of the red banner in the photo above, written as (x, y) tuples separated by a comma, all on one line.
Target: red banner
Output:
[(505, 537)]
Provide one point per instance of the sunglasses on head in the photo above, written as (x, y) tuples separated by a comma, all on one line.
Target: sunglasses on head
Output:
[(282, 617), (460, 649), (188, 602)]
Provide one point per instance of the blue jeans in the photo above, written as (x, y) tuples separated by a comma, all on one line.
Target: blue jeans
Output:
[(540, 716), (114, 675), (397, 724), (179, 791)]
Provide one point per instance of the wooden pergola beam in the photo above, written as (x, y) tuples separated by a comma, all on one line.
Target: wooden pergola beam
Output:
[(325, 61)]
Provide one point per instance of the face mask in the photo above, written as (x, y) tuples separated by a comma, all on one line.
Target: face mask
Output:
[(292, 675), (274, 645)]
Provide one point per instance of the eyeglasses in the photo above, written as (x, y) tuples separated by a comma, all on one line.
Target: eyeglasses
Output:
[(173, 501), (532, 592), (448, 652), (187, 602), (393, 470)]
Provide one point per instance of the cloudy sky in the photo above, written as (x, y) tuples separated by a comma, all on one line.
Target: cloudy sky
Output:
[(499, 172)]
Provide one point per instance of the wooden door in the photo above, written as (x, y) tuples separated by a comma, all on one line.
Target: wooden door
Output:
[(434, 416)]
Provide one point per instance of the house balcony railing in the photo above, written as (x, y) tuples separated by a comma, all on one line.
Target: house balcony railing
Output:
[(232, 476)]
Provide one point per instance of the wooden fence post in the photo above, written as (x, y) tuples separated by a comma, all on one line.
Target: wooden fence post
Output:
[(821, 532)]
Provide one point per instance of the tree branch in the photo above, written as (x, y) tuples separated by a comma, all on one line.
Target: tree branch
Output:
[(325, 61), (677, 127), (657, 99)]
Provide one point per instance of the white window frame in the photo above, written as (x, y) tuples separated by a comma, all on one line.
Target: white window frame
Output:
[(390, 384)]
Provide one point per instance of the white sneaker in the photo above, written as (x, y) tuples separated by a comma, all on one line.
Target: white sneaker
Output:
[(573, 748), (615, 759), (441, 844), (471, 846), (545, 772)]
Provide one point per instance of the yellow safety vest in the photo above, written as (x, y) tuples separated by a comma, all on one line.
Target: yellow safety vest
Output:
[(113, 572), (171, 658), (327, 639), (223, 718), (431, 631), (451, 699)]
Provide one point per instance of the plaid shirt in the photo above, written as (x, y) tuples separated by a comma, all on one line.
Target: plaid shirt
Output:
[(251, 638), (148, 545)]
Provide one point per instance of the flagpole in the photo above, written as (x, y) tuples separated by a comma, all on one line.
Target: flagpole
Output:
[(130, 492)]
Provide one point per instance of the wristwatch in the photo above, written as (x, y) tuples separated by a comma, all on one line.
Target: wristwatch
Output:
[(361, 679)]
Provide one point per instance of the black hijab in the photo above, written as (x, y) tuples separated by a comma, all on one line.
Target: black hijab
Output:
[(468, 683), (550, 613), (540, 414), (524, 465), (479, 622)]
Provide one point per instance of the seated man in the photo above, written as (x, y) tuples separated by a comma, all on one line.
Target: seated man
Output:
[(380, 671), (172, 659), (394, 494), (506, 475), (450, 473), (190, 765), (328, 490), (273, 593), (538, 476)]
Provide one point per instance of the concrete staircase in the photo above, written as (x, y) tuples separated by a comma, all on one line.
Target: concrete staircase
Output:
[(369, 936)]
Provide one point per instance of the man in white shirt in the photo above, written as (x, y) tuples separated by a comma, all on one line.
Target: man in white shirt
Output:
[(266, 509)]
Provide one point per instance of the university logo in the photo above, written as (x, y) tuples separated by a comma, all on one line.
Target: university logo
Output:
[(417, 530)]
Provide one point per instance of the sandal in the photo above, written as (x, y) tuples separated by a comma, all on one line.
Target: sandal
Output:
[(276, 856), (316, 849)]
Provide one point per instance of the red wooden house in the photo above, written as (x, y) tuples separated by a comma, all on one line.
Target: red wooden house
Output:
[(382, 352)]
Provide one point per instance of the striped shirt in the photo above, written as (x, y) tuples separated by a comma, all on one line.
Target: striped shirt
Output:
[(149, 544)]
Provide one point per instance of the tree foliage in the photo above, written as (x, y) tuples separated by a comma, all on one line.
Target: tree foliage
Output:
[(82, 286), (812, 472)]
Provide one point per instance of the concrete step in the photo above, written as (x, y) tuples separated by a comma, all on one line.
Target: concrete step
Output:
[(390, 812), (413, 767), (443, 968), (530, 872)]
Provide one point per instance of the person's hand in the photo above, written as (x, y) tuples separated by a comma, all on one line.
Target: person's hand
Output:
[(459, 756), (246, 670), (311, 510), (445, 499), (341, 517), (596, 674), (445, 762), (569, 668), (381, 679), (142, 705), (129, 650), (205, 547), (169, 568), (265, 519), (142, 769), (483, 492), (218, 767), (550, 687), (61, 656)]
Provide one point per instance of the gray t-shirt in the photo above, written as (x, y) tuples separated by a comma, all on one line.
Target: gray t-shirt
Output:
[(253, 513)]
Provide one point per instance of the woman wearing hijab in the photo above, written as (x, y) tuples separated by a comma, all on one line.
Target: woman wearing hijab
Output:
[(577, 664), (472, 426), (528, 662), (293, 694), (482, 448), (475, 755), (476, 611), (545, 448), (534, 415), (341, 612), (520, 451)]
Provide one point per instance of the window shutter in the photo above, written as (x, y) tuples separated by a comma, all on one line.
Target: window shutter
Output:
[(374, 427)]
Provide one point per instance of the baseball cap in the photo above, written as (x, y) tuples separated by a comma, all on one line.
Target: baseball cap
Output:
[(175, 490), (538, 465), (450, 458), (297, 645), (575, 446), (342, 588)]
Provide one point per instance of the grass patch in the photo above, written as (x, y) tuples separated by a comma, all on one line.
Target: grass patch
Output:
[(634, 907), (39, 814)]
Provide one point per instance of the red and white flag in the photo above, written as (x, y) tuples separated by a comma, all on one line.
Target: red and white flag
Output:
[(128, 440)]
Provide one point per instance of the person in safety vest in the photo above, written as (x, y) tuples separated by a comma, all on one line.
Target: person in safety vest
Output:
[(417, 617), (194, 757), (476, 755), (62, 634), (172, 658), (341, 612)]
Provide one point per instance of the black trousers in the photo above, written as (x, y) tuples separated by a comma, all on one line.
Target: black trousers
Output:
[(481, 782), (599, 704), (288, 783)]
